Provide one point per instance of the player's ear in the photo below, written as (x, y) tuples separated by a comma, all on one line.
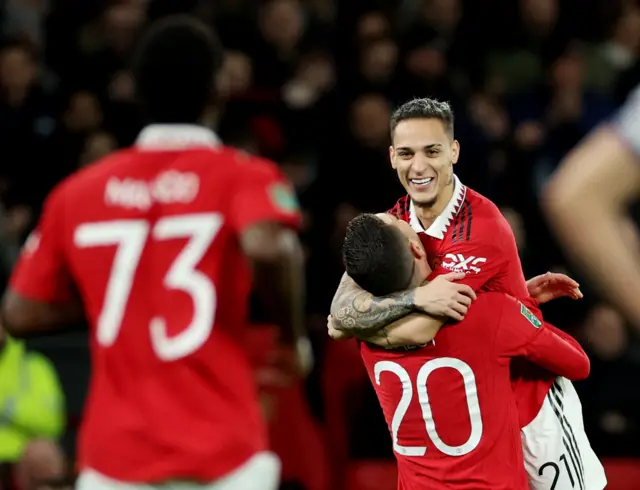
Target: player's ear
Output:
[(455, 151), (392, 156), (417, 250)]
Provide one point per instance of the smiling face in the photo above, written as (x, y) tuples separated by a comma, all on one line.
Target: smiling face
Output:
[(423, 153)]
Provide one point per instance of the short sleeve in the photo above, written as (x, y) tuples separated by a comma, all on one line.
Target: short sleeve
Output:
[(626, 123), (41, 273), (263, 194), (517, 328)]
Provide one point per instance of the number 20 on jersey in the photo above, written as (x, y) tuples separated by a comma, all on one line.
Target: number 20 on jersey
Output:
[(420, 383)]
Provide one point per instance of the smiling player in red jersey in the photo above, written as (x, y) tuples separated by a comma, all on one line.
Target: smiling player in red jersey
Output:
[(462, 392), (157, 243), (463, 232)]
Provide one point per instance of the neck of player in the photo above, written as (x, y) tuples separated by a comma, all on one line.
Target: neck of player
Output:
[(427, 213)]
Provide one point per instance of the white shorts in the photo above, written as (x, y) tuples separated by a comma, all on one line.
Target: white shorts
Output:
[(261, 472), (557, 453)]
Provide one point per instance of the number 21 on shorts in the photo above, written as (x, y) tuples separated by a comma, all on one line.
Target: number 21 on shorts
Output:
[(429, 367), (129, 237)]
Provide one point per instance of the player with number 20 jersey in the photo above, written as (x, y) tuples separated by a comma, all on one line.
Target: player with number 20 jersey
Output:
[(449, 403), (457, 391)]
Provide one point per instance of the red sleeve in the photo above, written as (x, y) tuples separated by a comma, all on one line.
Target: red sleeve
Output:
[(263, 194), (521, 333), (565, 336), (41, 273)]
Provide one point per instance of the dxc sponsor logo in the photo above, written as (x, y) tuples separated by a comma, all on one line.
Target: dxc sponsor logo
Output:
[(460, 263)]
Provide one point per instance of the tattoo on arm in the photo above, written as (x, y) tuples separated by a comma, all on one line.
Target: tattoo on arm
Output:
[(359, 312)]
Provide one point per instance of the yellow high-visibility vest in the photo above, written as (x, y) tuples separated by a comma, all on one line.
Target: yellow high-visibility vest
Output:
[(31, 399)]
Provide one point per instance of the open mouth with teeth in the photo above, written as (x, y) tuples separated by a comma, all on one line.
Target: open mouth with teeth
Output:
[(423, 183)]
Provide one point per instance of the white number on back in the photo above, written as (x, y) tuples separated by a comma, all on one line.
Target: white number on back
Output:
[(130, 236), (471, 392)]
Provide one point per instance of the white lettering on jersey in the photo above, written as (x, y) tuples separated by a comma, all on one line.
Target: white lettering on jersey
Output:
[(460, 263), (167, 188)]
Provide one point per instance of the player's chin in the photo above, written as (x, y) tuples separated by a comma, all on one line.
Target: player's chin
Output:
[(426, 199)]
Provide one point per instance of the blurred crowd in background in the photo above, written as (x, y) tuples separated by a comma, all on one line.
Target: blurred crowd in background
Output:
[(311, 84)]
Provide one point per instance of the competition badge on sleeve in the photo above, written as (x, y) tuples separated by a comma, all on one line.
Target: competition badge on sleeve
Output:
[(530, 316), (283, 198)]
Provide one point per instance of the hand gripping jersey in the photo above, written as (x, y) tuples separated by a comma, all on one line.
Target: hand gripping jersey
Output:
[(149, 239), (450, 406)]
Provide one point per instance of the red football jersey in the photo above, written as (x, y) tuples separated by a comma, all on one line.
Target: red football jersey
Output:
[(450, 406), (471, 235), (149, 239)]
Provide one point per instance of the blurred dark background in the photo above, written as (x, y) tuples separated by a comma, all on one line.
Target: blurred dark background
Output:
[(311, 84)]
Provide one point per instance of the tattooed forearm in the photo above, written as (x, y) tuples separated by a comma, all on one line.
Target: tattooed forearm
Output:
[(355, 310)]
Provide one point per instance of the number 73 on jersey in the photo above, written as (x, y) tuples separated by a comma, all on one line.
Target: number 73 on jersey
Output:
[(129, 237)]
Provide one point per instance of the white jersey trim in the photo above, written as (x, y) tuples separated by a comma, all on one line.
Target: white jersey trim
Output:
[(439, 227), (176, 137)]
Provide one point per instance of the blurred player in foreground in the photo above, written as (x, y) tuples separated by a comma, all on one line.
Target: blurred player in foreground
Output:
[(462, 381), (157, 243), (465, 238), (587, 202)]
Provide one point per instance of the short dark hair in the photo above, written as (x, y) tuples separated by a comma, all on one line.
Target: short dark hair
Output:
[(376, 255), (424, 109), (174, 69)]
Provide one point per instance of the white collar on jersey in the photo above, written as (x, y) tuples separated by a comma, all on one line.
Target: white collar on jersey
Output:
[(176, 137), (439, 227)]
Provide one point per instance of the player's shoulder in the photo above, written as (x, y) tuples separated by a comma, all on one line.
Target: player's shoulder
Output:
[(479, 204), (488, 309), (219, 159), (402, 208), (247, 165), (478, 219), (492, 301), (88, 178), (491, 310)]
